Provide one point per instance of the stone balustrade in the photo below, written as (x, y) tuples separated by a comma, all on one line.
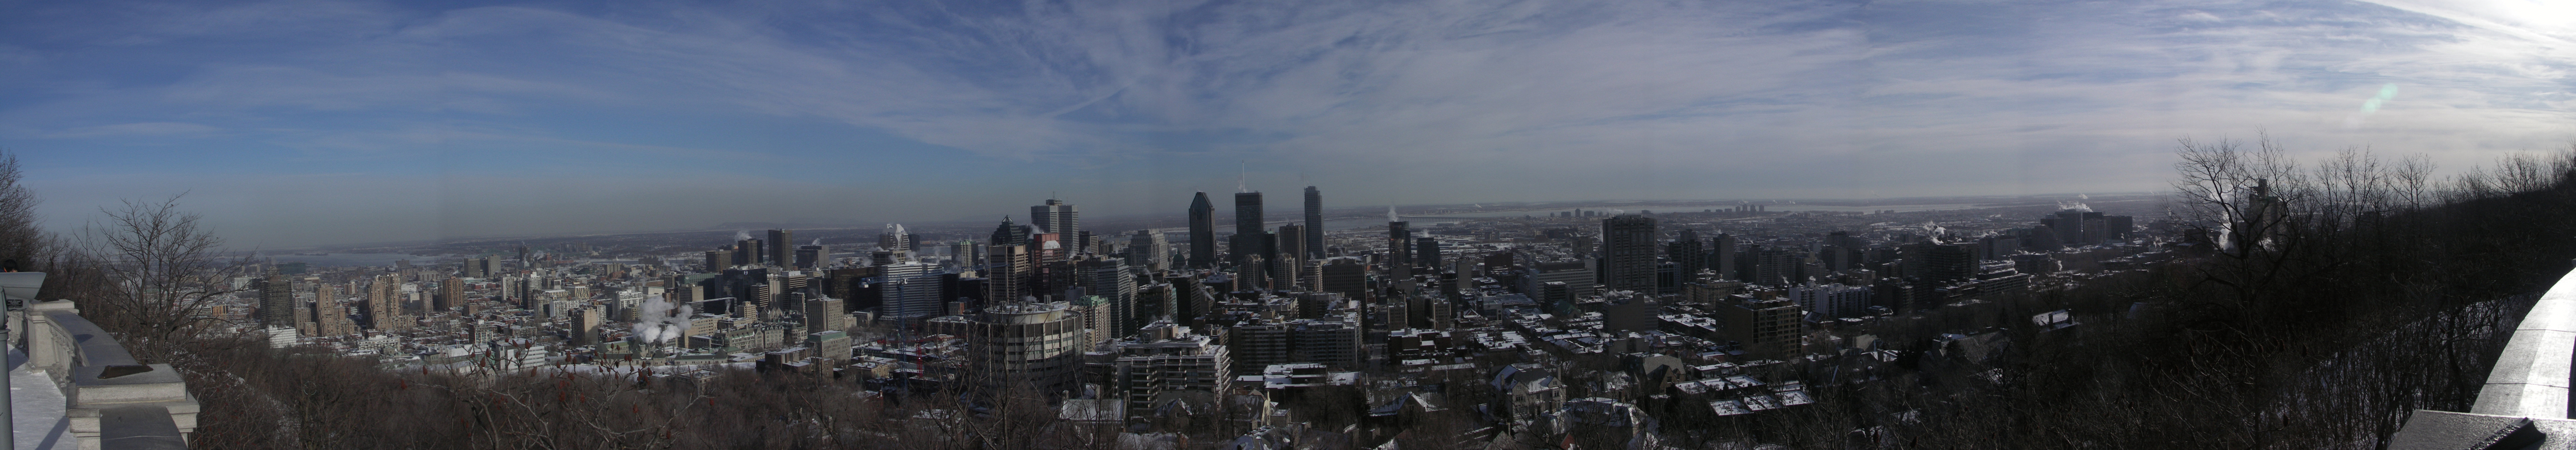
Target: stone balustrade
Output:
[(112, 400)]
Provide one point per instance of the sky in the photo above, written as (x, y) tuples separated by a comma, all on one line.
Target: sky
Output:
[(300, 123)]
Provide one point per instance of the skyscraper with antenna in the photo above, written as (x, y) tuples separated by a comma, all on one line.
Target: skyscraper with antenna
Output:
[(1249, 237)]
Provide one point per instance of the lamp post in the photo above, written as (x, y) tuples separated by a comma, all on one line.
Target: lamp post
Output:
[(16, 288)]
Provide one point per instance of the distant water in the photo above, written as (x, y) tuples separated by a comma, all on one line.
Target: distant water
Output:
[(354, 259)]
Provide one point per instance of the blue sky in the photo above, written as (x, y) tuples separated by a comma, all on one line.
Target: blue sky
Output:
[(295, 123)]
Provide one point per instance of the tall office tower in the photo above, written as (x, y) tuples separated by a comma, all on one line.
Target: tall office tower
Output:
[(809, 256), (451, 293), (826, 314), (1346, 276), (1108, 279), (1628, 253), (1009, 234), (474, 268), (2070, 227), (1283, 273), (718, 260), (1426, 253), (749, 252), (967, 253), (782, 247), (1314, 224), (1248, 232), (1202, 232), (1007, 273), (1687, 255), (1721, 255), (1146, 249), (523, 256), (910, 290), (1247, 213), (492, 265), (1013, 344), (896, 239), (1060, 218), (277, 301), (1290, 242), (1399, 245)]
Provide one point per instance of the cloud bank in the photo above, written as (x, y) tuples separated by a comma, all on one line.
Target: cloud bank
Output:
[(301, 123)]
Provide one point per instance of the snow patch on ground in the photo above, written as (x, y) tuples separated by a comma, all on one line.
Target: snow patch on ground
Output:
[(36, 408)]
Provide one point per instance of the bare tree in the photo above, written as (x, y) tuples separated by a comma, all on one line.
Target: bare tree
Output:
[(164, 265)]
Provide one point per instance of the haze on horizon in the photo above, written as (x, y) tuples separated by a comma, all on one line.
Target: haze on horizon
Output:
[(296, 123)]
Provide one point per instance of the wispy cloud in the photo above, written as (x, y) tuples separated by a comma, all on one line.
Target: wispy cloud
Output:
[(1407, 101)]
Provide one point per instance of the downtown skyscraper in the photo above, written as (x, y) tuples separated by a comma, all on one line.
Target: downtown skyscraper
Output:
[(1202, 232), (1061, 218), (1314, 241), (1249, 239)]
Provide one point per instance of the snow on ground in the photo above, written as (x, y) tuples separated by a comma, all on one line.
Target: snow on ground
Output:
[(36, 408)]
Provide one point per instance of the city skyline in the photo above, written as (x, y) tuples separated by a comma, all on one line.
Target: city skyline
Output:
[(295, 124)]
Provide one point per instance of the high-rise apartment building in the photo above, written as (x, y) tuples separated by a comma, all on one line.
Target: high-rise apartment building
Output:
[(1687, 254), (1314, 239), (1766, 328), (451, 293), (1167, 358), (1334, 342), (1013, 344), (1628, 253), (382, 312), (277, 302), (1062, 219)]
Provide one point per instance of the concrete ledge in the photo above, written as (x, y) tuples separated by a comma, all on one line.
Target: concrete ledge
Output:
[(162, 384), (2431, 430), (2532, 374), (139, 428)]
